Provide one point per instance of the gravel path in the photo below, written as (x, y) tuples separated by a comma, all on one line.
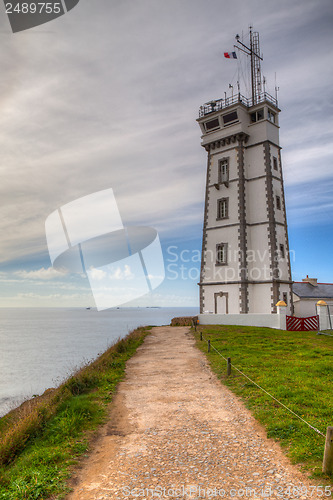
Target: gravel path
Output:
[(176, 432)]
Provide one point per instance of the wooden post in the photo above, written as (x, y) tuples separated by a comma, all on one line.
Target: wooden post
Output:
[(229, 367), (208, 345), (201, 336), (328, 453)]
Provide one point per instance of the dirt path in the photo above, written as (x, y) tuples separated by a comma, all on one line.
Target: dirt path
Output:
[(176, 432)]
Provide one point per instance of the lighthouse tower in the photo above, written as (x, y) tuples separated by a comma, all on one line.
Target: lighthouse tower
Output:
[(245, 266)]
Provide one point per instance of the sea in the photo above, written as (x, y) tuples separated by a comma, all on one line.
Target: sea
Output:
[(41, 347)]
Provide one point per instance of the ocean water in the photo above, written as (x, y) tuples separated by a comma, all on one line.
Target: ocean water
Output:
[(39, 348)]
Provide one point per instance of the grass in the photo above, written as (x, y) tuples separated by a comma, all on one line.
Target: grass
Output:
[(295, 367), (43, 439)]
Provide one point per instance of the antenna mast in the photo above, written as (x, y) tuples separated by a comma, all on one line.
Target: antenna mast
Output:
[(276, 89), (254, 52)]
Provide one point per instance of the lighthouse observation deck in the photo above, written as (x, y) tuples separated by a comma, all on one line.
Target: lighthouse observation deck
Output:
[(212, 106)]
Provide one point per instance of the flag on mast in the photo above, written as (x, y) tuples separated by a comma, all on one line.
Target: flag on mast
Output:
[(230, 55)]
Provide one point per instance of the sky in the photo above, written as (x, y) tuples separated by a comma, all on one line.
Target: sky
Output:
[(107, 96)]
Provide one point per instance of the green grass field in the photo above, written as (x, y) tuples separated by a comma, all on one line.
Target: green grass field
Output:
[(295, 367), (43, 440)]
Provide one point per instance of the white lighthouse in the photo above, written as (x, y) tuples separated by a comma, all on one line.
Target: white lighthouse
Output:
[(245, 265)]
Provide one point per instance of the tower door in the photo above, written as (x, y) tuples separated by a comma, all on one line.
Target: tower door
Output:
[(221, 303)]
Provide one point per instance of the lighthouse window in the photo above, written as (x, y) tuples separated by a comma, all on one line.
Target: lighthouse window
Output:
[(230, 117), (222, 253), (282, 251), (278, 202), (224, 170), (271, 116), (257, 115), (222, 208), (275, 163), (212, 124)]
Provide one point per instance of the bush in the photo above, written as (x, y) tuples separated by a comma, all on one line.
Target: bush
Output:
[(184, 321)]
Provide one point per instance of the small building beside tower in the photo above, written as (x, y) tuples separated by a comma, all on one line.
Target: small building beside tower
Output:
[(307, 293)]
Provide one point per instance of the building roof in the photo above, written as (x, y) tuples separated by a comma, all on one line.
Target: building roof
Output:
[(307, 291)]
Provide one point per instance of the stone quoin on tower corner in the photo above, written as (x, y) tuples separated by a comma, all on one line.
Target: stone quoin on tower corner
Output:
[(245, 266)]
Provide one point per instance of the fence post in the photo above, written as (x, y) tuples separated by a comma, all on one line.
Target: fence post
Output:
[(281, 309), (328, 453), (208, 345), (229, 367), (322, 313), (201, 336)]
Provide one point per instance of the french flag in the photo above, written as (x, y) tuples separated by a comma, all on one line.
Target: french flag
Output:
[(230, 55)]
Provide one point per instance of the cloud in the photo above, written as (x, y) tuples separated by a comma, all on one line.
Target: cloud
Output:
[(97, 274), (127, 272), (31, 299), (115, 106), (122, 274), (117, 274), (310, 203), (155, 277), (301, 161), (39, 274)]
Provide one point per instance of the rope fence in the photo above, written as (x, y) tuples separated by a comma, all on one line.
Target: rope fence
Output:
[(328, 454), (270, 395)]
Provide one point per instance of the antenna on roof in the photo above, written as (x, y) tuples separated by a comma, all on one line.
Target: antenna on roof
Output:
[(276, 89), (253, 51)]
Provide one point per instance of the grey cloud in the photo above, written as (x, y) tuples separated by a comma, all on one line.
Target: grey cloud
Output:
[(107, 96)]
